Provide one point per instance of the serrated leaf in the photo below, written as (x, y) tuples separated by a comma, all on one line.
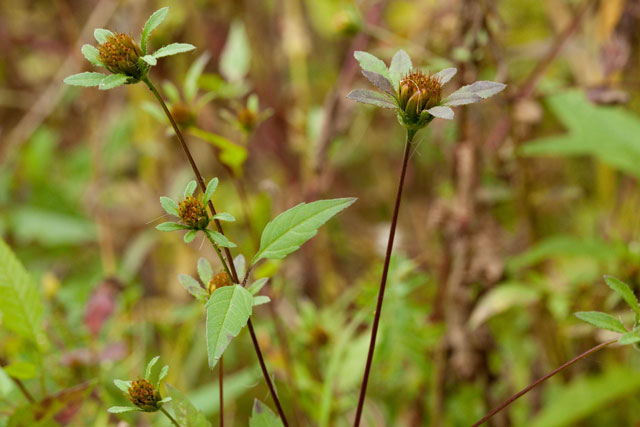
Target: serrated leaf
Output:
[(101, 35), (91, 54), (601, 320), (235, 58), (185, 412), (112, 81), (400, 65), (211, 188), (629, 338), (474, 92), (154, 20), (625, 292), (171, 226), (220, 239), (228, 311), (441, 112), (445, 75), (190, 188), (262, 416), (122, 385), (192, 286), (369, 62), (173, 49), (150, 59), (190, 235), (87, 79), (289, 230), (379, 81), (257, 285), (21, 370), (169, 205), (20, 302), (372, 98), (204, 270), (260, 299), (224, 216), (122, 409)]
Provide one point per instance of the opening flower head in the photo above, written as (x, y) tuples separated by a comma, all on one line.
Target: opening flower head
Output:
[(414, 94), (144, 393), (123, 57), (193, 214)]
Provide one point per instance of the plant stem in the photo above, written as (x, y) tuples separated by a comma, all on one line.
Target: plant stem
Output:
[(230, 266), (173, 420), (528, 388), (215, 248), (221, 393), (383, 280)]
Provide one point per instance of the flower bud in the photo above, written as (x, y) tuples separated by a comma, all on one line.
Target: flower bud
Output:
[(193, 213), (219, 280), (120, 54), (418, 92), (144, 395)]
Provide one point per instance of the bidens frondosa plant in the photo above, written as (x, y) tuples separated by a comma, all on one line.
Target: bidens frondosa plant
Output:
[(417, 98), (120, 54)]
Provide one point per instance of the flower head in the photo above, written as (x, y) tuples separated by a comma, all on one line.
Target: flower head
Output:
[(193, 213), (123, 57), (219, 280), (414, 94), (144, 393)]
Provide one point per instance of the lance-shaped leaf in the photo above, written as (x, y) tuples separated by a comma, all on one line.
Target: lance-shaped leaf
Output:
[(154, 20), (91, 54), (189, 189), (171, 226), (474, 92), (169, 206), (122, 385), (289, 230), (262, 416), (204, 271), (190, 235), (101, 35), (260, 299), (400, 65), (122, 409), (228, 311), (185, 412), (379, 81), (173, 49), (150, 59), (629, 338), (192, 286), (113, 81), (445, 75), (86, 79), (369, 62), (235, 58), (257, 285), (211, 188), (224, 216), (625, 292), (442, 112), (372, 98), (220, 239), (601, 320)]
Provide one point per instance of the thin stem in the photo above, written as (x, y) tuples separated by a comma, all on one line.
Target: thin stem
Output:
[(383, 280), (173, 420), (528, 388), (221, 393), (24, 390), (230, 265), (217, 249)]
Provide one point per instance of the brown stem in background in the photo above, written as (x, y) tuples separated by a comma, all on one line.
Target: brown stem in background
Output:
[(528, 388), (383, 280), (234, 273)]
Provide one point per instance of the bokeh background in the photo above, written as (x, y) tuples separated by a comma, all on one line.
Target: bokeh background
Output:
[(512, 212)]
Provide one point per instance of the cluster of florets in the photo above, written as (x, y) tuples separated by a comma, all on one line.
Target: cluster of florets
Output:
[(120, 55), (219, 280), (418, 92), (144, 395), (193, 213)]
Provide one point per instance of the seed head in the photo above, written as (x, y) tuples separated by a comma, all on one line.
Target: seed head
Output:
[(144, 395), (418, 92), (120, 54), (219, 280), (193, 213)]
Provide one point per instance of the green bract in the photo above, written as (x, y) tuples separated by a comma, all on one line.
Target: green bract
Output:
[(416, 96), (122, 56)]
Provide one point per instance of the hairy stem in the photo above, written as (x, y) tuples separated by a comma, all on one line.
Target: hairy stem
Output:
[(229, 264), (531, 386), (383, 280), (173, 420)]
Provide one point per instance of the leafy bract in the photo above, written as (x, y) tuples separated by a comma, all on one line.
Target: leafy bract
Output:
[(601, 320), (112, 81), (154, 20), (289, 230), (173, 49), (192, 286), (625, 292), (87, 79), (371, 97), (400, 65), (369, 62), (474, 92), (262, 416), (228, 311)]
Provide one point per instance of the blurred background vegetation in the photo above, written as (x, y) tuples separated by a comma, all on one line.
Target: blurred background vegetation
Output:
[(512, 212)]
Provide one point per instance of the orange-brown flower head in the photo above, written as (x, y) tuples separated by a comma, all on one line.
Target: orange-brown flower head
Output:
[(219, 280), (418, 92), (246, 118), (144, 395), (193, 213), (120, 54)]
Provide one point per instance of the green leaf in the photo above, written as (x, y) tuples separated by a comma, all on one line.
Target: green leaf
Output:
[(20, 301), (601, 320), (190, 235), (171, 226), (262, 416), (122, 385), (192, 77), (220, 239), (231, 154), (236, 56), (204, 270), (101, 35), (257, 285), (625, 292), (86, 79), (173, 49), (185, 412), (260, 299), (211, 188), (474, 92), (441, 112), (500, 299), (149, 370), (150, 59), (21, 370), (163, 373), (400, 66), (169, 205), (295, 226), (92, 55), (224, 216), (193, 287), (122, 409), (445, 75), (240, 263), (113, 81), (629, 338), (228, 311), (154, 20), (368, 62), (190, 188), (380, 81), (372, 98)]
